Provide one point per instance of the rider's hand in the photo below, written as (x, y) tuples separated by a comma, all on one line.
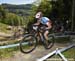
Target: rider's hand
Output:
[(35, 27)]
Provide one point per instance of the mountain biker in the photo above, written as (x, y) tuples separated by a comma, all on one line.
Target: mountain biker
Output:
[(45, 22)]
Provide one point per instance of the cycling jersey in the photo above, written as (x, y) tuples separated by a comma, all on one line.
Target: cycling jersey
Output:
[(44, 20)]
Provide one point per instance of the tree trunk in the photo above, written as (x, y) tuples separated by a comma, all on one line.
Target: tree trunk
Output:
[(73, 7)]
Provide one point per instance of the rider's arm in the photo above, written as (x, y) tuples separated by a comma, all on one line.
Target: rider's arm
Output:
[(49, 25), (37, 23)]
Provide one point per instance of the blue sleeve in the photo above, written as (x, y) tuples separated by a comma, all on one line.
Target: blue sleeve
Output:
[(44, 20)]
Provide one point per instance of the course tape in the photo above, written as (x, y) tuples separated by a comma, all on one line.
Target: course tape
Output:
[(9, 46), (56, 52)]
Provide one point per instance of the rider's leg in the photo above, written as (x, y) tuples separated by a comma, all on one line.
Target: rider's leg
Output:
[(46, 34)]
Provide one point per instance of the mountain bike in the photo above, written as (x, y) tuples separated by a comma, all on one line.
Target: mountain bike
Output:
[(31, 39)]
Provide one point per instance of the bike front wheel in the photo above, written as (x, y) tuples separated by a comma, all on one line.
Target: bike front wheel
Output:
[(28, 43)]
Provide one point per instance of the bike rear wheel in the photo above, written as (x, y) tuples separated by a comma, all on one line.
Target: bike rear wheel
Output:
[(49, 43), (28, 43)]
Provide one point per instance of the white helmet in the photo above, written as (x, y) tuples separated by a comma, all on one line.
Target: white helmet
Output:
[(38, 15)]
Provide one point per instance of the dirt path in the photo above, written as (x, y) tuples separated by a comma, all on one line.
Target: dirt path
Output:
[(39, 52)]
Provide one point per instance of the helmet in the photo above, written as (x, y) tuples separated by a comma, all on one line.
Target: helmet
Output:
[(38, 15)]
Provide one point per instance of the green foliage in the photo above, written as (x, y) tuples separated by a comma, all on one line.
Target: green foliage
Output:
[(27, 12), (70, 53), (63, 8), (45, 7), (12, 19), (3, 27), (34, 9), (22, 10), (9, 52), (63, 40), (2, 12)]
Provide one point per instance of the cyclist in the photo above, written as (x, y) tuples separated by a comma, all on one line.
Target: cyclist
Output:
[(45, 22)]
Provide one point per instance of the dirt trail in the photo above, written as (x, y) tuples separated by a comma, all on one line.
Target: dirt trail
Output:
[(33, 56)]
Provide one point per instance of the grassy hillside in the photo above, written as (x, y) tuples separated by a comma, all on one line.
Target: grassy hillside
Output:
[(3, 27), (22, 10)]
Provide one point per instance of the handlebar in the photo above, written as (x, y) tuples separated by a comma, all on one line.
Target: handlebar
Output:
[(39, 28)]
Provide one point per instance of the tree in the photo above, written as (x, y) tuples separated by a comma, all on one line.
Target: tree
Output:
[(73, 15), (2, 12), (46, 7)]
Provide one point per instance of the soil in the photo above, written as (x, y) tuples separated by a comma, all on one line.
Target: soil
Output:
[(39, 52)]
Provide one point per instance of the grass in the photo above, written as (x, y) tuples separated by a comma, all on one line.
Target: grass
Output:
[(8, 52), (62, 40), (3, 27), (70, 53)]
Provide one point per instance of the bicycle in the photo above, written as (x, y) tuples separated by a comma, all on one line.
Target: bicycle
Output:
[(30, 40)]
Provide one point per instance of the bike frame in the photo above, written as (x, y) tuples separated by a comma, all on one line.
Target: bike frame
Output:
[(40, 35)]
